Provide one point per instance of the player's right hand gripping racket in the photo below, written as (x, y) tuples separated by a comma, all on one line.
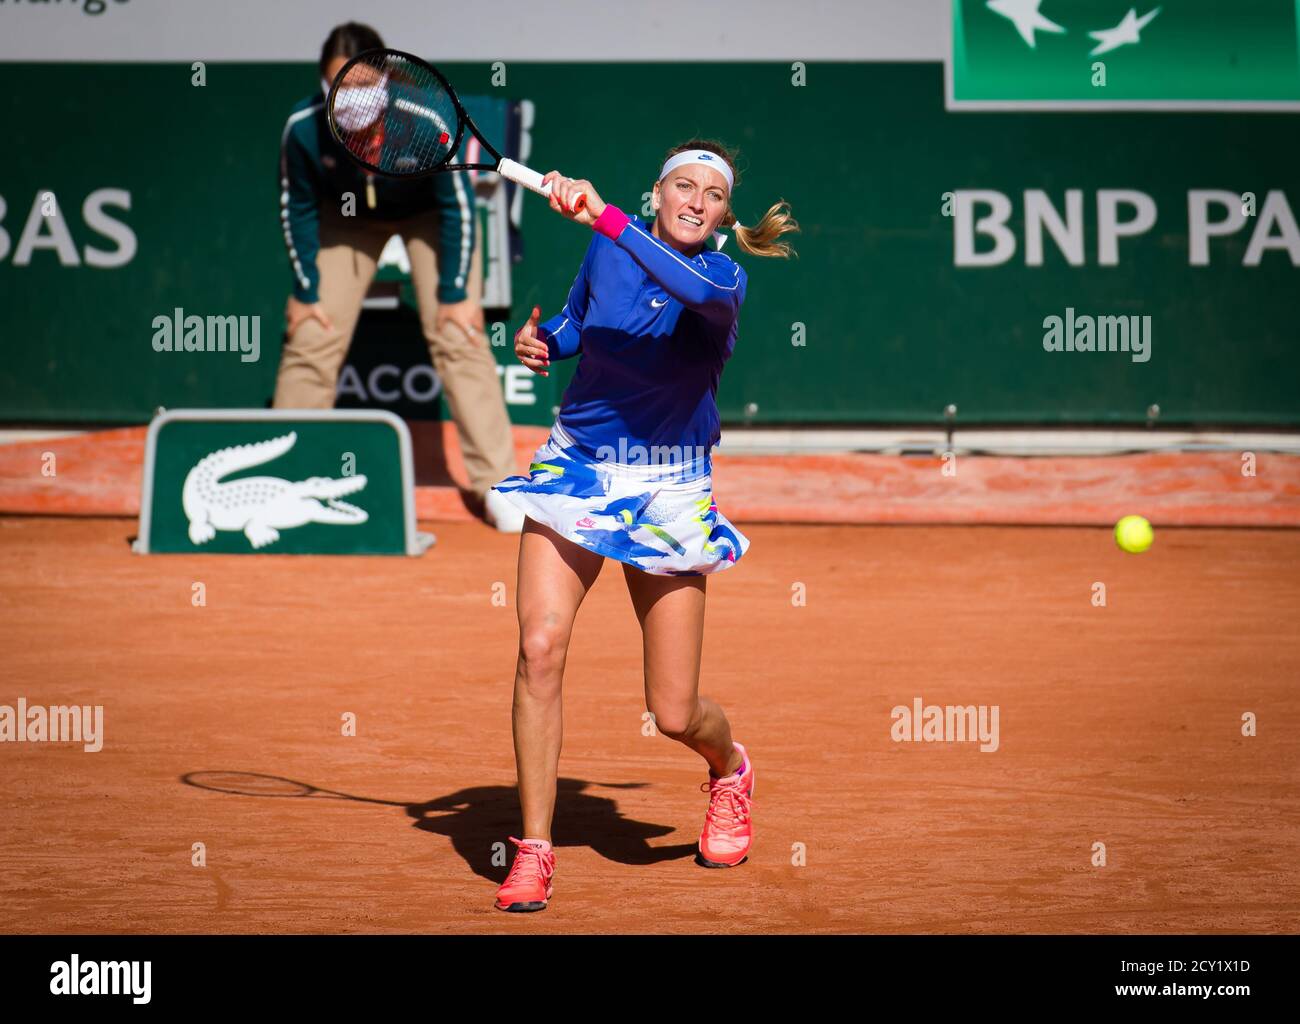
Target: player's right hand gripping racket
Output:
[(398, 115)]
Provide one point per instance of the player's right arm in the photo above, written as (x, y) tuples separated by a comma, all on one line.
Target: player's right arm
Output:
[(301, 186)]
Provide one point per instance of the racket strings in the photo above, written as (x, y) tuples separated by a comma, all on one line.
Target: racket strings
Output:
[(395, 115)]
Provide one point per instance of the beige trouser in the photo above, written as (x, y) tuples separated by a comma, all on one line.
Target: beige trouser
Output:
[(313, 356)]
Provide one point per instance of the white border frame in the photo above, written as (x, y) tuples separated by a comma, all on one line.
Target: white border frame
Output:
[(956, 106), (416, 543)]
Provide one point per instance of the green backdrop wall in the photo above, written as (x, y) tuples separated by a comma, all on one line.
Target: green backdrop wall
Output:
[(892, 328)]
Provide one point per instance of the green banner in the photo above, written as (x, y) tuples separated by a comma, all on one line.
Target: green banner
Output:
[(937, 247), (1109, 53)]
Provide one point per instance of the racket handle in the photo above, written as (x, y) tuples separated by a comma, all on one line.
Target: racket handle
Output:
[(530, 179)]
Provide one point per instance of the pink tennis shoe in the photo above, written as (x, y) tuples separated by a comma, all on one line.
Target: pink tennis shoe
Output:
[(728, 830), (528, 886), (724, 843)]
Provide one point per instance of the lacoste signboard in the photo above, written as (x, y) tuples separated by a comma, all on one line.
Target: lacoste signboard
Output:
[(1110, 54), (278, 482)]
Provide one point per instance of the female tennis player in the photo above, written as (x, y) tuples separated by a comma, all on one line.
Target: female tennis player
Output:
[(626, 474)]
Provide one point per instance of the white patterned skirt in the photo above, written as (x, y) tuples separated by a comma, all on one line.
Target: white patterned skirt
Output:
[(660, 518)]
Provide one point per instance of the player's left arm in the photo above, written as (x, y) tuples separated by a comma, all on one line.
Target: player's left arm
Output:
[(714, 290)]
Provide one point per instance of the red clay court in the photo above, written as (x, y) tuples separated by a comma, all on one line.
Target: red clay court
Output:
[(1119, 725)]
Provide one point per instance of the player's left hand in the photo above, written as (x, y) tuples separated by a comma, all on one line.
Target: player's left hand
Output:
[(563, 192), (467, 315)]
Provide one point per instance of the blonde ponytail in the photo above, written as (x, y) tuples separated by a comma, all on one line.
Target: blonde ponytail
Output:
[(761, 239)]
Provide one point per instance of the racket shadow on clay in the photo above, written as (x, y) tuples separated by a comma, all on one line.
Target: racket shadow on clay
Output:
[(478, 819)]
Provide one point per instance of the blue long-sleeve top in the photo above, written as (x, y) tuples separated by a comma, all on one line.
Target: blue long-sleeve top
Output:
[(654, 328)]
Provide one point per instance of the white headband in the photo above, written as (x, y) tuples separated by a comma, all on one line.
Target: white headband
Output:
[(699, 156)]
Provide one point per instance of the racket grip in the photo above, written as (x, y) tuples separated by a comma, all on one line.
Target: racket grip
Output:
[(530, 179)]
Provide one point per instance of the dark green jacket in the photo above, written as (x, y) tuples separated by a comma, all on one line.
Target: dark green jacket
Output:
[(315, 169)]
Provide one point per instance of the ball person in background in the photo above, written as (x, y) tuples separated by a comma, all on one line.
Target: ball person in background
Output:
[(626, 474), (334, 258)]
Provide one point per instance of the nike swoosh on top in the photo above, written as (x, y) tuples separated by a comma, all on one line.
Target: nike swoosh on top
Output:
[(656, 305)]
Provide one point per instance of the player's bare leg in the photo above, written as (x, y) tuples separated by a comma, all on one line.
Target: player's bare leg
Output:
[(671, 612), (554, 576)]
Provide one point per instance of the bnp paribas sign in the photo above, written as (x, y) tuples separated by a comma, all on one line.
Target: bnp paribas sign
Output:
[(1108, 54)]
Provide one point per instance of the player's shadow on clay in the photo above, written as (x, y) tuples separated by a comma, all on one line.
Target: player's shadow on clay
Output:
[(479, 818)]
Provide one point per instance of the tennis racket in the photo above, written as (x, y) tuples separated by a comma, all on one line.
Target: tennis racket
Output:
[(397, 115)]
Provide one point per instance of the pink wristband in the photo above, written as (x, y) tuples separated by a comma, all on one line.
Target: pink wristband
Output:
[(611, 221)]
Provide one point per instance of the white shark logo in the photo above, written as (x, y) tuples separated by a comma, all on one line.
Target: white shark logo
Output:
[(261, 506)]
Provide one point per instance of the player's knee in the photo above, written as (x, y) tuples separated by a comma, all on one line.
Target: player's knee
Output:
[(673, 721), (541, 653)]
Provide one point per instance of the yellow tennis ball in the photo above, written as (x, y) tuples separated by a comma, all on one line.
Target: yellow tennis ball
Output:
[(1134, 534)]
